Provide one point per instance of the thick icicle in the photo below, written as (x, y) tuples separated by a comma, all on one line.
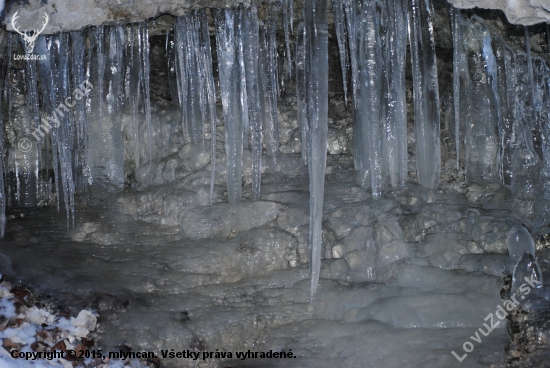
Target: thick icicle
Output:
[(2, 187), (145, 70), (368, 122), (271, 132), (171, 60), (242, 73), (229, 85), (426, 93), (301, 92), (286, 22), (206, 57), (315, 19), (251, 42), (456, 27), (482, 143), (395, 145), (338, 6), (535, 102), (134, 68), (351, 23)]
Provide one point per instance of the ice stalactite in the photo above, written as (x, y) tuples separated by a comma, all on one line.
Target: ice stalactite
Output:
[(229, 68), (145, 85), (301, 92), (482, 143), (395, 144), (171, 61), (271, 129), (505, 61), (287, 20), (208, 74), (251, 28), (81, 146), (535, 102), (316, 69), (28, 160), (351, 24), (242, 73), (133, 67), (456, 29), (368, 124), (426, 93), (339, 24), (4, 67)]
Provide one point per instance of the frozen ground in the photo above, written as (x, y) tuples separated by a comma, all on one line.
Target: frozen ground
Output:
[(405, 280)]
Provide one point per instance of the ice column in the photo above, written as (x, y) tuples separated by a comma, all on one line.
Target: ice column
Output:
[(426, 93), (229, 68), (316, 67)]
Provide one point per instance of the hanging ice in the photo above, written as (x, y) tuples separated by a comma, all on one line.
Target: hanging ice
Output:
[(482, 142), (301, 92), (456, 26), (339, 24), (426, 93), (316, 68), (229, 85), (251, 42)]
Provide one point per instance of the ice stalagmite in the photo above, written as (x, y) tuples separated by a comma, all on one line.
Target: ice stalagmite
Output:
[(229, 86), (301, 91), (368, 125), (250, 37), (316, 67), (426, 93), (395, 145), (482, 143), (339, 24)]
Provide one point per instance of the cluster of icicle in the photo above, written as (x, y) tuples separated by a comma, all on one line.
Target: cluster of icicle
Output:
[(372, 38), (74, 125), (501, 102)]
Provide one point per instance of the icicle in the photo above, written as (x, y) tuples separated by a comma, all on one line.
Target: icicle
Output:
[(29, 159), (482, 145), (210, 92), (242, 79), (286, 22), (229, 79), (251, 44), (200, 71), (368, 122), (172, 78), (426, 93), (395, 145), (505, 61), (145, 85), (315, 19), (351, 23), (456, 27), (272, 131), (134, 87), (338, 7), (301, 92), (2, 187), (535, 103), (81, 153)]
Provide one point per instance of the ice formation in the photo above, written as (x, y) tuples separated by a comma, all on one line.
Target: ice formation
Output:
[(499, 107)]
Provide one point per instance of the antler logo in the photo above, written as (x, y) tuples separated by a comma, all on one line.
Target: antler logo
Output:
[(29, 39)]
